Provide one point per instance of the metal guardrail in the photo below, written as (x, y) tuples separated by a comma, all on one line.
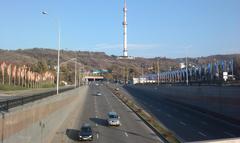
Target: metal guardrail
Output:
[(11, 103)]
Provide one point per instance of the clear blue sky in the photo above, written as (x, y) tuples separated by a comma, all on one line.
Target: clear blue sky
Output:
[(168, 28)]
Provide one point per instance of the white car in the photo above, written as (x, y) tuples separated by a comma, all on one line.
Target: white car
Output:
[(113, 119)]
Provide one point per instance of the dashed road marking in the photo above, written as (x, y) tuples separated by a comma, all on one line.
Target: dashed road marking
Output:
[(96, 125), (97, 136), (229, 134), (201, 133), (182, 123), (126, 134), (96, 116)]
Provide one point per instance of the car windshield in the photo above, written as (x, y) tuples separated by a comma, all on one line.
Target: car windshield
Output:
[(113, 116), (86, 129)]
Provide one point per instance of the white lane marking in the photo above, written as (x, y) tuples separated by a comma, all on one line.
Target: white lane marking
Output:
[(204, 123), (230, 134), (169, 115), (96, 125), (136, 117), (126, 134), (182, 123), (96, 116), (97, 136), (201, 133), (108, 102)]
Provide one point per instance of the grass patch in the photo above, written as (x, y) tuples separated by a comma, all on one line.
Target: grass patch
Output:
[(11, 87), (47, 85), (7, 87)]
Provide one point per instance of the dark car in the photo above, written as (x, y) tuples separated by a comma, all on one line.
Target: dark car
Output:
[(86, 132)]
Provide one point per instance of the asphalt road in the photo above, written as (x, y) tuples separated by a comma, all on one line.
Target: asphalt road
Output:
[(95, 110), (188, 124)]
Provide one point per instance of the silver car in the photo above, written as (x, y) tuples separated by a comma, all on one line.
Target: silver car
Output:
[(113, 119)]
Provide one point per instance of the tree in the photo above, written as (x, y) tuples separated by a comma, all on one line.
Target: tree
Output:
[(40, 67)]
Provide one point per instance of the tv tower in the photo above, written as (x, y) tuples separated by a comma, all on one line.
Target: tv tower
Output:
[(125, 51)]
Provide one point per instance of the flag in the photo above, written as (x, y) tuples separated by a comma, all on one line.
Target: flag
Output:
[(9, 69), (14, 71), (216, 70), (3, 65)]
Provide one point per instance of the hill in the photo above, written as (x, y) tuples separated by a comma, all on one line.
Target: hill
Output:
[(99, 60)]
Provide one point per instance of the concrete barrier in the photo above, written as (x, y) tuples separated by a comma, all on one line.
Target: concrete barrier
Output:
[(38, 121), (222, 100)]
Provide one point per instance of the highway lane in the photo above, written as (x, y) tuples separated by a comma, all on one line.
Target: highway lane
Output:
[(186, 123), (132, 127), (95, 112)]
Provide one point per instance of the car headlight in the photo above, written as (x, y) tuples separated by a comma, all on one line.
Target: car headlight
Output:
[(80, 136)]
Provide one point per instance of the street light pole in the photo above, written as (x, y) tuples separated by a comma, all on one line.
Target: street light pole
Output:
[(75, 72), (59, 45)]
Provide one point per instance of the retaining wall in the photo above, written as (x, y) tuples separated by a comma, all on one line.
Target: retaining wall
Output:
[(38, 121), (222, 100)]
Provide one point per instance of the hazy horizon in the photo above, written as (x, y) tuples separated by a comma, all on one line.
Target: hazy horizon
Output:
[(69, 50)]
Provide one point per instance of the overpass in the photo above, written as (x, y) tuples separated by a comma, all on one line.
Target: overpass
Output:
[(93, 78)]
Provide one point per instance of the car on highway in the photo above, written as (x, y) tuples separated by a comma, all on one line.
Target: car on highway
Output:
[(99, 93), (86, 132), (113, 119)]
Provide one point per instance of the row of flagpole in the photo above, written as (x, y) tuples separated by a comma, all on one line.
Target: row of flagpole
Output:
[(23, 76), (208, 72)]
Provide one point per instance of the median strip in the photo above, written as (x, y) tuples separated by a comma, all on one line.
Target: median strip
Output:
[(155, 125)]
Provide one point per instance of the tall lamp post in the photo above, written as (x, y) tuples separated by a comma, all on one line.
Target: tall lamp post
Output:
[(186, 58), (59, 42)]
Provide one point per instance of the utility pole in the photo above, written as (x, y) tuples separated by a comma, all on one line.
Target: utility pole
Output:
[(75, 72), (127, 75), (186, 71)]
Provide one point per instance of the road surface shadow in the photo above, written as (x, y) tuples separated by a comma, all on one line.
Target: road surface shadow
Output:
[(99, 121), (72, 134)]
